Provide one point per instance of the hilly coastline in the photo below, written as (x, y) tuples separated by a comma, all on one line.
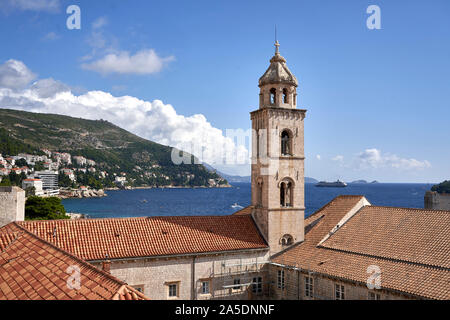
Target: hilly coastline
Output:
[(114, 150)]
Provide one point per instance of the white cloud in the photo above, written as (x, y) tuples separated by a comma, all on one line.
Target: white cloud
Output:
[(338, 158), (99, 23), (15, 75), (33, 5), (143, 62), (373, 158), (154, 120), (51, 36)]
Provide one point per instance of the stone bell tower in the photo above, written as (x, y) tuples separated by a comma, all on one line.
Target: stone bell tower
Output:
[(278, 158)]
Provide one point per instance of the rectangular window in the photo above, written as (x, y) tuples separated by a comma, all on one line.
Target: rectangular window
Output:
[(374, 296), (280, 279), (257, 285), (236, 284), (309, 287), (139, 288), (339, 292), (205, 287), (173, 290)]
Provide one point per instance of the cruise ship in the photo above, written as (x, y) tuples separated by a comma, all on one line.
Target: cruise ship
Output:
[(336, 184)]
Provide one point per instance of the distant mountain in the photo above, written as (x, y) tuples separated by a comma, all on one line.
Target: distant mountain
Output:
[(230, 178), (374, 181), (115, 150), (246, 179), (359, 181)]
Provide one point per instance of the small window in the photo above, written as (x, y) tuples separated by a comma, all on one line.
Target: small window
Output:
[(173, 290), (339, 292), (285, 95), (139, 288), (287, 240), (273, 96), (280, 279), (309, 287), (236, 284), (205, 287), (257, 285), (286, 146), (286, 194), (374, 296)]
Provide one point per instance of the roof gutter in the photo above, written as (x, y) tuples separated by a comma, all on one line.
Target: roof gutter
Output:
[(195, 254)]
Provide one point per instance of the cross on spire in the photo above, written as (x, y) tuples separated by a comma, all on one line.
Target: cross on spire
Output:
[(277, 44)]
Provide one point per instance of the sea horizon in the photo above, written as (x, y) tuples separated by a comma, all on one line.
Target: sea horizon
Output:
[(224, 201)]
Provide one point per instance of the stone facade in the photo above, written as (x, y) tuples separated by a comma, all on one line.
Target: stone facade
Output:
[(12, 205), (153, 276), (278, 158), (294, 287), (437, 201)]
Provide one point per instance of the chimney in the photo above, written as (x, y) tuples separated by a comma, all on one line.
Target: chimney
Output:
[(106, 265)]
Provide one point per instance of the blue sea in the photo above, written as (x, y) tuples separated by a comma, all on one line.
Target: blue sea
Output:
[(220, 201)]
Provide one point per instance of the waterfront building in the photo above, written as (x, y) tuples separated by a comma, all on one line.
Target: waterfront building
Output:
[(49, 181), (36, 183)]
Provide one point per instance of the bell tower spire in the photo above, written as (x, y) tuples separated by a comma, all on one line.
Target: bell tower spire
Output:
[(277, 47), (278, 157)]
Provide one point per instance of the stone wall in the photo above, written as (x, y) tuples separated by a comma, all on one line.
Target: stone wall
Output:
[(12, 205), (437, 201), (323, 287), (155, 275)]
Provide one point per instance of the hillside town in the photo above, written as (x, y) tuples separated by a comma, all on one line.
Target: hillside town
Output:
[(52, 174), (64, 175)]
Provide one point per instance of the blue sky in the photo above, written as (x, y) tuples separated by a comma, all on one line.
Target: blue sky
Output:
[(377, 100)]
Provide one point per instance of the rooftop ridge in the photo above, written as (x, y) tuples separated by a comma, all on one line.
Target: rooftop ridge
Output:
[(11, 241), (28, 222), (411, 209), (386, 258), (332, 201)]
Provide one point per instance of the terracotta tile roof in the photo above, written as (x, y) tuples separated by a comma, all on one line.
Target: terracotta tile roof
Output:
[(129, 293), (93, 239), (411, 235), (33, 269), (244, 211), (357, 245)]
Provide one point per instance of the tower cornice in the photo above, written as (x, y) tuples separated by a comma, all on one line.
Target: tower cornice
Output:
[(275, 111)]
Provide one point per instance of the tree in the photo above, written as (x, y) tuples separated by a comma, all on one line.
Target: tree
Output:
[(5, 182), (64, 181), (37, 208), (39, 166), (30, 191), (21, 163), (443, 187)]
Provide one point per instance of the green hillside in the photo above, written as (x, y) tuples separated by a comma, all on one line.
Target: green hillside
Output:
[(115, 150), (443, 187)]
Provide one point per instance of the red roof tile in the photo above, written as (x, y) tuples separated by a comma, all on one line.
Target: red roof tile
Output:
[(412, 235), (394, 239), (93, 239), (33, 269)]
